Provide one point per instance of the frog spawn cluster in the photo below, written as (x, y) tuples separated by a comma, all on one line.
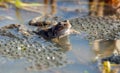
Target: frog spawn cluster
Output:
[(42, 54), (98, 27)]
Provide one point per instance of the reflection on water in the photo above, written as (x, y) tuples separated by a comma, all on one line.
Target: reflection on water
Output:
[(17, 11), (106, 48), (64, 42), (76, 49), (102, 7), (52, 6)]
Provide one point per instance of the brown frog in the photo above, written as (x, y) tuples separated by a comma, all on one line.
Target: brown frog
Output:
[(59, 30)]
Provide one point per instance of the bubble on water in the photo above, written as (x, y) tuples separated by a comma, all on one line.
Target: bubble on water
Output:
[(53, 58), (38, 50), (19, 48), (48, 58)]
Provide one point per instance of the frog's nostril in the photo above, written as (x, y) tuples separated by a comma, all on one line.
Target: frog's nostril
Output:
[(65, 20)]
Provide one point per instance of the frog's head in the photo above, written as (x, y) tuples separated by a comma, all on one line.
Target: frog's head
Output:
[(62, 28), (65, 24)]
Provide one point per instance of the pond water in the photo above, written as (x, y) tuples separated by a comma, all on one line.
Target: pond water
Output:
[(80, 55)]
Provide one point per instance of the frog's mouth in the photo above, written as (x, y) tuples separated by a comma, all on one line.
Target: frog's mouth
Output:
[(65, 31), (66, 28)]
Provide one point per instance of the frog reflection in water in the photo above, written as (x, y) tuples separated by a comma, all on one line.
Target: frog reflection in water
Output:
[(64, 45), (104, 49), (58, 33)]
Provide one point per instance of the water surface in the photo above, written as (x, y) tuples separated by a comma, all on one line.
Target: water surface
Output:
[(80, 56)]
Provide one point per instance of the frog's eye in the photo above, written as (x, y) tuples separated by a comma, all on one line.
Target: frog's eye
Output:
[(65, 24)]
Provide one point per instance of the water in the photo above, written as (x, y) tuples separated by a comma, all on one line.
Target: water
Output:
[(80, 54)]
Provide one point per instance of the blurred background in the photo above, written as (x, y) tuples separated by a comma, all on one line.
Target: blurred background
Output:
[(82, 54)]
